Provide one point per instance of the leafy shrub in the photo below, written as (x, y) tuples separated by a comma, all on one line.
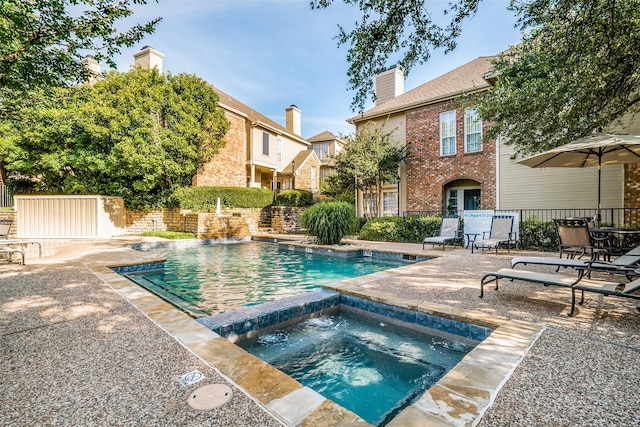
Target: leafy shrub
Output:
[(173, 235), (206, 198), (360, 222), (384, 229), (329, 222), (294, 198), (538, 235), (399, 229)]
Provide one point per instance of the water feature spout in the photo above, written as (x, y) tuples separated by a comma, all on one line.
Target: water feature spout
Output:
[(218, 210)]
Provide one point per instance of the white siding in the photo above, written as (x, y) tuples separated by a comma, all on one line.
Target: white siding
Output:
[(629, 124), (522, 187), (70, 216)]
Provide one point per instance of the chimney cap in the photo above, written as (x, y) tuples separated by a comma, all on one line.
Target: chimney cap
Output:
[(389, 68)]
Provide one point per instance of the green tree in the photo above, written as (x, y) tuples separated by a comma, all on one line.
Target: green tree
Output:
[(369, 159), (389, 26), (577, 70), (42, 43), (138, 135)]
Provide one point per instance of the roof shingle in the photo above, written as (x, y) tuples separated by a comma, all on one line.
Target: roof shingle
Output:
[(466, 78)]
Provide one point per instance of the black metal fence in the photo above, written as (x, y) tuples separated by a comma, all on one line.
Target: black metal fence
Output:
[(615, 217), (6, 198)]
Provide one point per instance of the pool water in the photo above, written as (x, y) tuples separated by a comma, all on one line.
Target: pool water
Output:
[(365, 364), (208, 279)]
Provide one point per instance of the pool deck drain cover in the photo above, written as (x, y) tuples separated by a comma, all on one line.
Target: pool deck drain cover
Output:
[(191, 378), (210, 396)]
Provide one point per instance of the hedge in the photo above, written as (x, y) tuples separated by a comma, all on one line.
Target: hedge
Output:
[(206, 198), (538, 235), (294, 198), (400, 229), (534, 233)]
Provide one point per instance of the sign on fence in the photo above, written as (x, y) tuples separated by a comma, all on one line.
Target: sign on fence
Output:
[(479, 222), (476, 222)]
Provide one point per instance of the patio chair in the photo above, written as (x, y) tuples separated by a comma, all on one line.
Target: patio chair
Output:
[(5, 227), (449, 232), (579, 282), (501, 233), (577, 241), (5, 248)]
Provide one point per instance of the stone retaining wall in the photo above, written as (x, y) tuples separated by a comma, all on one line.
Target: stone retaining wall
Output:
[(286, 219), (205, 225)]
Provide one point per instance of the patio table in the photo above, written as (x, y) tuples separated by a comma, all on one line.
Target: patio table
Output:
[(621, 239)]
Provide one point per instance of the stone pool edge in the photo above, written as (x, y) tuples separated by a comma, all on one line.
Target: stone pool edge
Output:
[(460, 398), (465, 393)]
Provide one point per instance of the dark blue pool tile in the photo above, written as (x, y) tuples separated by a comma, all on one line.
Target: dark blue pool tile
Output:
[(268, 319), (247, 326), (138, 267), (284, 315), (479, 333), (296, 312), (224, 330)]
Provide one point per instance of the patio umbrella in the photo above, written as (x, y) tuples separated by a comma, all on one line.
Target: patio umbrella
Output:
[(594, 150)]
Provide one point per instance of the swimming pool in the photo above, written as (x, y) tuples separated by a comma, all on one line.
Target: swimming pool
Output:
[(203, 279)]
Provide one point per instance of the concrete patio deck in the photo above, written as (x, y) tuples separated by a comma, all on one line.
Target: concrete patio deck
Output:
[(78, 350)]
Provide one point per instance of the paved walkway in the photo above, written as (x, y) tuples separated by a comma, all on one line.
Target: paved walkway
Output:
[(74, 351)]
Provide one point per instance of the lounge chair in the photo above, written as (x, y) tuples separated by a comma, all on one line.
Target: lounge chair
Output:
[(579, 282), (12, 246), (500, 234), (11, 250), (5, 248), (5, 227), (625, 264), (449, 232)]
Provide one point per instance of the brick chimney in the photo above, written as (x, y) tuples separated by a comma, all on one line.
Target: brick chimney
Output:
[(93, 66), (148, 57), (294, 118), (389, 84)]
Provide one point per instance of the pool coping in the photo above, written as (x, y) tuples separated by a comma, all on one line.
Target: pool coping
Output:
[(460, 398)]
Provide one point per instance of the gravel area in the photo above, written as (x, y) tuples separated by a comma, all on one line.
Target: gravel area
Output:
[(75, 352), (582, 371)]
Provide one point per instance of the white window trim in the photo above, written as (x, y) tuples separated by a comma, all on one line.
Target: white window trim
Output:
[(320, 149), (466, 145), (442, 133), (314, 178), (394, 211), (279, 150)]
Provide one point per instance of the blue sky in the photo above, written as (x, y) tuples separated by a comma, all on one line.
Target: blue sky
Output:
[(270, 54)]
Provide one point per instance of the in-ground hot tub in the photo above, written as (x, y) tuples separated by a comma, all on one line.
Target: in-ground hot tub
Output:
[(370, 358)]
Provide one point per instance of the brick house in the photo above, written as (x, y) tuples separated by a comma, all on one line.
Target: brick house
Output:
[(302, 173), (326, 146), (258, 151), (450, 169)]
